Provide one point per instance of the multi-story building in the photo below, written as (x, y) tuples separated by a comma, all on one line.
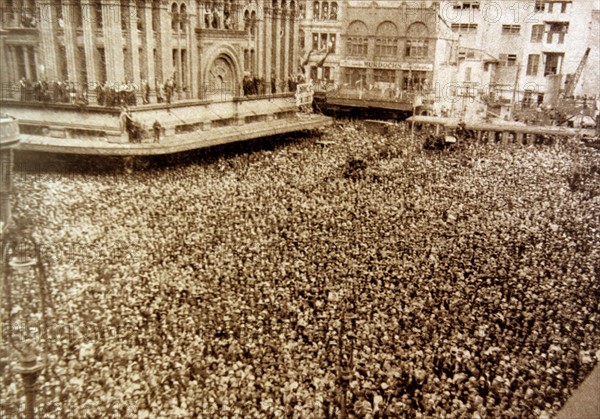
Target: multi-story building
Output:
[(523, 50), (98, 68), (378, 53), (197, 43), (320, 29)]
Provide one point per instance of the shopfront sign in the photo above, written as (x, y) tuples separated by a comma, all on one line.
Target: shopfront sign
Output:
[(387, 65)]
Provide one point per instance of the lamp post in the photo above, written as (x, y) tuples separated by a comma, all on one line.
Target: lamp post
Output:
[(30, 370), (26, 304)]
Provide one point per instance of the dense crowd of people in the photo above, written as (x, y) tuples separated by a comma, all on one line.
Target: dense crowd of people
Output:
[(275, 282), (107, 94)]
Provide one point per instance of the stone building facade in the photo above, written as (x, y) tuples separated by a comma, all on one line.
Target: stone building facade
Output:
[(400, 45), (205, 47), (380, 53)]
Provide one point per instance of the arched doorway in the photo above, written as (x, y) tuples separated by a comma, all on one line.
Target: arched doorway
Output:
[(222, 79)]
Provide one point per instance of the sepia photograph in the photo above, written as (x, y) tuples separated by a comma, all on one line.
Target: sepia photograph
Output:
[(304, 209)]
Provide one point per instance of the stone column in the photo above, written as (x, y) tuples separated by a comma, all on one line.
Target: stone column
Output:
[(70, 39), (194, 57), (151, 74), (260, 43), (13, 71), (166, 53), (89, 44), (134, 45), (295, 42), (268, 47), (5, 81), (47, 23), (277, 15), (190, 45), (285, 53), (113, 41)]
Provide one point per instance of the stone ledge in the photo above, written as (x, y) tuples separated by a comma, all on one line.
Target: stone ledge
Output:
[(178, 142)]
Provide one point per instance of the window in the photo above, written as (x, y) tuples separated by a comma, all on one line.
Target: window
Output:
[(62, 63), (466, 4), (384, 76), (415, 80), (321, 41), (324, 10), (182, 17), (468, 74), (386, 43), (533, 64), (332, 43), (508, 60), (539, 5), (357, 47), (464, 27), (81, 67), (21, 67), (357, 43), (563, 8), (417, 48), (98, 14), (324, 41), (511, 29), (253, 21), (301, 39), (557, 31), (333, 12), (101, 65), (537, 33), (174, 17), (386, 47), (550, 7), (356, 77), (553, 63), (155, 15)]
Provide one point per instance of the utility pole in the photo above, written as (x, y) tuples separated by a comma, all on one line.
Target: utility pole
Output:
[(514, 93)]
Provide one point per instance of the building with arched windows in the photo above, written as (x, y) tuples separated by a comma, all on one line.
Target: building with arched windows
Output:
[(145, 55), (379, 53)]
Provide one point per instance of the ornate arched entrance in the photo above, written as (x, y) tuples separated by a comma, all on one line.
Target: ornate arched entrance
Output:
[(222, 78)]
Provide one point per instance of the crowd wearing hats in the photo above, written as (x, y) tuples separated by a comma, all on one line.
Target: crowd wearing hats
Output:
[(346, 269), (108, 94)]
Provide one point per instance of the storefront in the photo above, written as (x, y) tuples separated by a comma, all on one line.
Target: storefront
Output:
[(407, 76)]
